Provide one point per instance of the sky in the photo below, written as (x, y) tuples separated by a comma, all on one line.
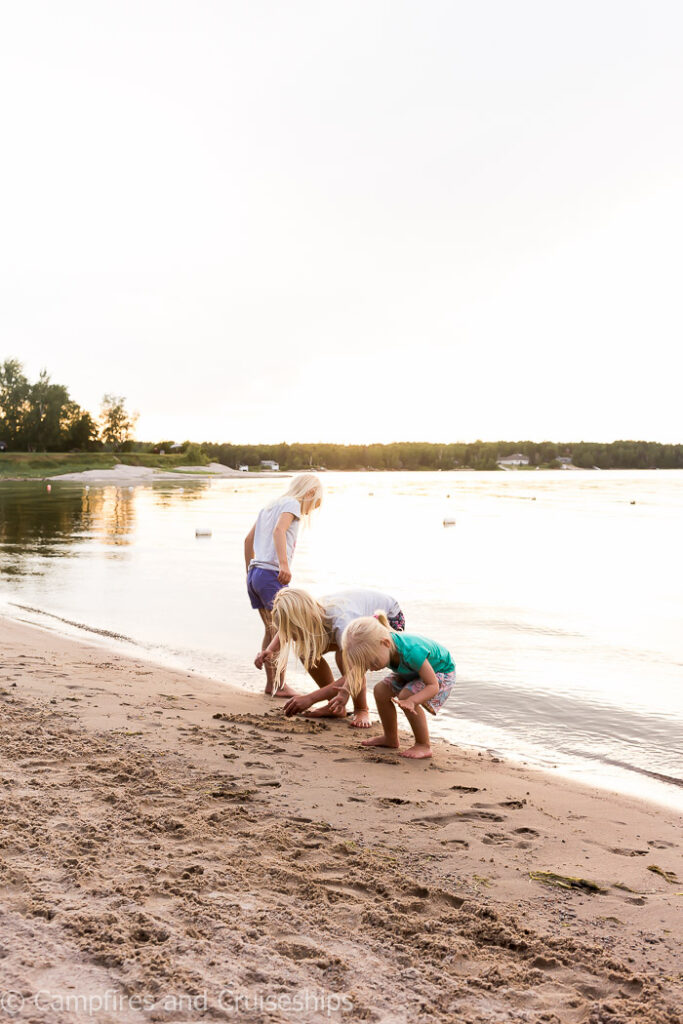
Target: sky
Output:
[(351, 221)]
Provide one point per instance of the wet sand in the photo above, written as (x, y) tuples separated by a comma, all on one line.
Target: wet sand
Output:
[(179, 845)]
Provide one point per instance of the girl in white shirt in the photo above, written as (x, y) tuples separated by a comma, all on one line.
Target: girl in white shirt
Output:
[(268, 552)]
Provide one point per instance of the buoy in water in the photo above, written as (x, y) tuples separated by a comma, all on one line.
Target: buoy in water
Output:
[(87, 488), (202, 531), (449, 521)]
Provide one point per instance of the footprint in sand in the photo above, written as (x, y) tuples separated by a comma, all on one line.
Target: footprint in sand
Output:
[(445, 819), (513, 805)]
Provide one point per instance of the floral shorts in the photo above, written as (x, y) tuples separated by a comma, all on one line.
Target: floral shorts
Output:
[(414, 685), (397, 622)]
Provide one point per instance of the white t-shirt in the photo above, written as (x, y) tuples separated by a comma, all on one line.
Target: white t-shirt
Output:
[(265, 555), (347, 605)]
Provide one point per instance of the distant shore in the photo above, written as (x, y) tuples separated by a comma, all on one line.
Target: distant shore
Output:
[(164, 833)]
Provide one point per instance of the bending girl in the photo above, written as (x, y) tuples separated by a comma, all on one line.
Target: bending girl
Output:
[(314, 629), (421, 679)]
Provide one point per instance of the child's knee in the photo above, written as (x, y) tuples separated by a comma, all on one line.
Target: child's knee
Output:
[(382, 689)]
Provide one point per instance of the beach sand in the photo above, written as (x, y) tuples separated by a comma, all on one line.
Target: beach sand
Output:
[(179, 845), (122, 474)]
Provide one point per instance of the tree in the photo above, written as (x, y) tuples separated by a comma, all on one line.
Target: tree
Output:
[(14, 389), (117, 423), (47, 413), (81, 430)]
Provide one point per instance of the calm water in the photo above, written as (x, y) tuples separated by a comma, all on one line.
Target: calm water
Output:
[(561, 600)]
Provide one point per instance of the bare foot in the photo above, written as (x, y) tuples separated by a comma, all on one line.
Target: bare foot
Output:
[(284, 691), (416, 752), (360, 719), (325, 712), (380, 741)]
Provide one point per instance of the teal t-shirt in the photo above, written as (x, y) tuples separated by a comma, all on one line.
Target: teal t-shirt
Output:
[(413, 651)]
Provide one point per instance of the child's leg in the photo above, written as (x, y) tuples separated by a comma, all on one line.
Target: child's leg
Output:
[(387, 713), (417, 721), (284, 691), (360, 718)]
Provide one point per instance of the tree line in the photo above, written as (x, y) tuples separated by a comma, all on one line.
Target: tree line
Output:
[(480, 455), (42, 416)]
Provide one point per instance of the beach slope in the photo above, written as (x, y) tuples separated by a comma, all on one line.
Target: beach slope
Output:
[(177, 850)]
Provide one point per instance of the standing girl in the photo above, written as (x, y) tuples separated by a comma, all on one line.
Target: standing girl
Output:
[(269, 549), (314, 629), (421, 679)]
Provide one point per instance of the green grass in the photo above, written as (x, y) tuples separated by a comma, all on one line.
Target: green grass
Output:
[(32, 465)]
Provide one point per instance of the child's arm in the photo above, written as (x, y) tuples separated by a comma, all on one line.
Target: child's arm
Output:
[(430, 689), (272, 648), (280, 542), (295, 705), (249, 546)]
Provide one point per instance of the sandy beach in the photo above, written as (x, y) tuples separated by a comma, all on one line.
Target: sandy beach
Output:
[(174, 849), (122, 474)]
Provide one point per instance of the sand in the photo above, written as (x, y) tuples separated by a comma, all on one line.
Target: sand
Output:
[(121, 475), (174, 849)]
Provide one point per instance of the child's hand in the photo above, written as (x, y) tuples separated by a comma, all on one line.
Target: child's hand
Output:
[(284, 574), (339, 702), (406, 705), (259, 659), (295, 705)]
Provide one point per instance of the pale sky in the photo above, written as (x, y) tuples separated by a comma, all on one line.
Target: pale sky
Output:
[(348, 221)]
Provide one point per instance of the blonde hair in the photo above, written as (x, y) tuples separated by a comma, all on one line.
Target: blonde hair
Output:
[(303, 624), (300, 486), (360, 641)]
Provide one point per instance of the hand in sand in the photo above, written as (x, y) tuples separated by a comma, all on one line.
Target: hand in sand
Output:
[(296, 705)]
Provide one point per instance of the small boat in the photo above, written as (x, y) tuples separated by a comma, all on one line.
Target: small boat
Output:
[(202, 531), (449, 521)]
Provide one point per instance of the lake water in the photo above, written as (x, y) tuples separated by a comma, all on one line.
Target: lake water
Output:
[(560, 594)]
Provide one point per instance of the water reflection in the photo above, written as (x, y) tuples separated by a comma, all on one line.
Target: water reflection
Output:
[(36, 524)]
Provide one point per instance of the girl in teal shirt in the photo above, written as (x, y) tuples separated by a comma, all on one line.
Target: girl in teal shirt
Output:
[(421, 679)]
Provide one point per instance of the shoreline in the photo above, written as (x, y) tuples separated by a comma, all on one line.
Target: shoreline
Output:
[(127, 646), (166, 830)]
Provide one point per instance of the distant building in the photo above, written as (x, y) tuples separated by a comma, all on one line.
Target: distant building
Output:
[(269, 464), (176, 447), (514, 460), (243, 469), (564, 461)]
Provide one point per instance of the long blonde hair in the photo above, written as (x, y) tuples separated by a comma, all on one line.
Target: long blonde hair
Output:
[(299, 488), (303, 624), (360, 641)]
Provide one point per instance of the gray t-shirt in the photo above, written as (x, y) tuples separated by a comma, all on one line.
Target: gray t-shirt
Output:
[(265, 555), (347, 605)]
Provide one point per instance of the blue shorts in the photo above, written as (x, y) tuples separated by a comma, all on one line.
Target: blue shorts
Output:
[(262, 586)]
